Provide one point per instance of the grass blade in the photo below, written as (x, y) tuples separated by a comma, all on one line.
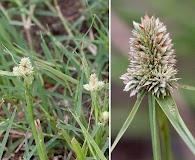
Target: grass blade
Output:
[(191, 88), (57, 73), (128, 120), (68, 127), (7, 134), (90, 139), (33, 151), (169, 107), (79, 96), (6, 73), (77, 148)]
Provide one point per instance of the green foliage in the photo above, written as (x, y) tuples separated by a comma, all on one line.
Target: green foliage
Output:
[(170, 110), (59, 62), (169, 107)]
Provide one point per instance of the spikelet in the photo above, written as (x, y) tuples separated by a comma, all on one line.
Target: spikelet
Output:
[(152, 59), (24, 68)]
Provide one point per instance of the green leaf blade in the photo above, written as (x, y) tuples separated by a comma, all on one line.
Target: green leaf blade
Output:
[(90, 139), (57, 73), (169, 107), (128, 120), (77, 148), (6, 136)]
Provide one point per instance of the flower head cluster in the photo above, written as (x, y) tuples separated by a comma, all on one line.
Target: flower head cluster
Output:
[(24, 68), (152, 59), (104, 116), (94, 84)]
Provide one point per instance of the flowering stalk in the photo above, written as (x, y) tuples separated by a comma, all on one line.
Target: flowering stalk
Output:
[(95, 106), (25, 70), (151, 70), (93, 86), (165, 135), (154, 128)]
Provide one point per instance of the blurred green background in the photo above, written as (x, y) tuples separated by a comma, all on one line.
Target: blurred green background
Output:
[(179, 17)]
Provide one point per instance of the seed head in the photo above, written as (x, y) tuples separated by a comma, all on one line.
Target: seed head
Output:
[(24, 68), (104, 116), (152, 59), (94, 84)]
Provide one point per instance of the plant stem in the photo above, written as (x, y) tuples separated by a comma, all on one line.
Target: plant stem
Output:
[(128, 120), (165, 135), (96, 112), (41, 147), (154, 128), (95, 106)]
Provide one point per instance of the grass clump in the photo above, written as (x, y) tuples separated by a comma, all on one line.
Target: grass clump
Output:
[(47, 113)]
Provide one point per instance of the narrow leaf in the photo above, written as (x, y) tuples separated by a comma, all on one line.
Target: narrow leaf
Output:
[(128, 120), (7, 134), (77, 148), (192, 88), (89, 139), (169, 107), (6, 73), (68, 127), (57, 73)]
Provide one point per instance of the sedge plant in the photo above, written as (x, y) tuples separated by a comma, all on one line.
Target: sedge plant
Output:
[(152, 72), (25, 70), (46, 111)]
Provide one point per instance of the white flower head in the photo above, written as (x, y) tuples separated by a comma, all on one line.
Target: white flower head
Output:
[(94, 84), (24, 68), (25, 62), (152, 59), (105, 116)]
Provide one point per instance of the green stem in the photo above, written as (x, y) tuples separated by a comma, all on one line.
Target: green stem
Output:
[(165, 135), (95, 106), (41, 148), (154, 128), (96, 109), (128, 120)]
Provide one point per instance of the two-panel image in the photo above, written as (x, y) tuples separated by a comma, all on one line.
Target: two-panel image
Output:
[(97, 80)]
